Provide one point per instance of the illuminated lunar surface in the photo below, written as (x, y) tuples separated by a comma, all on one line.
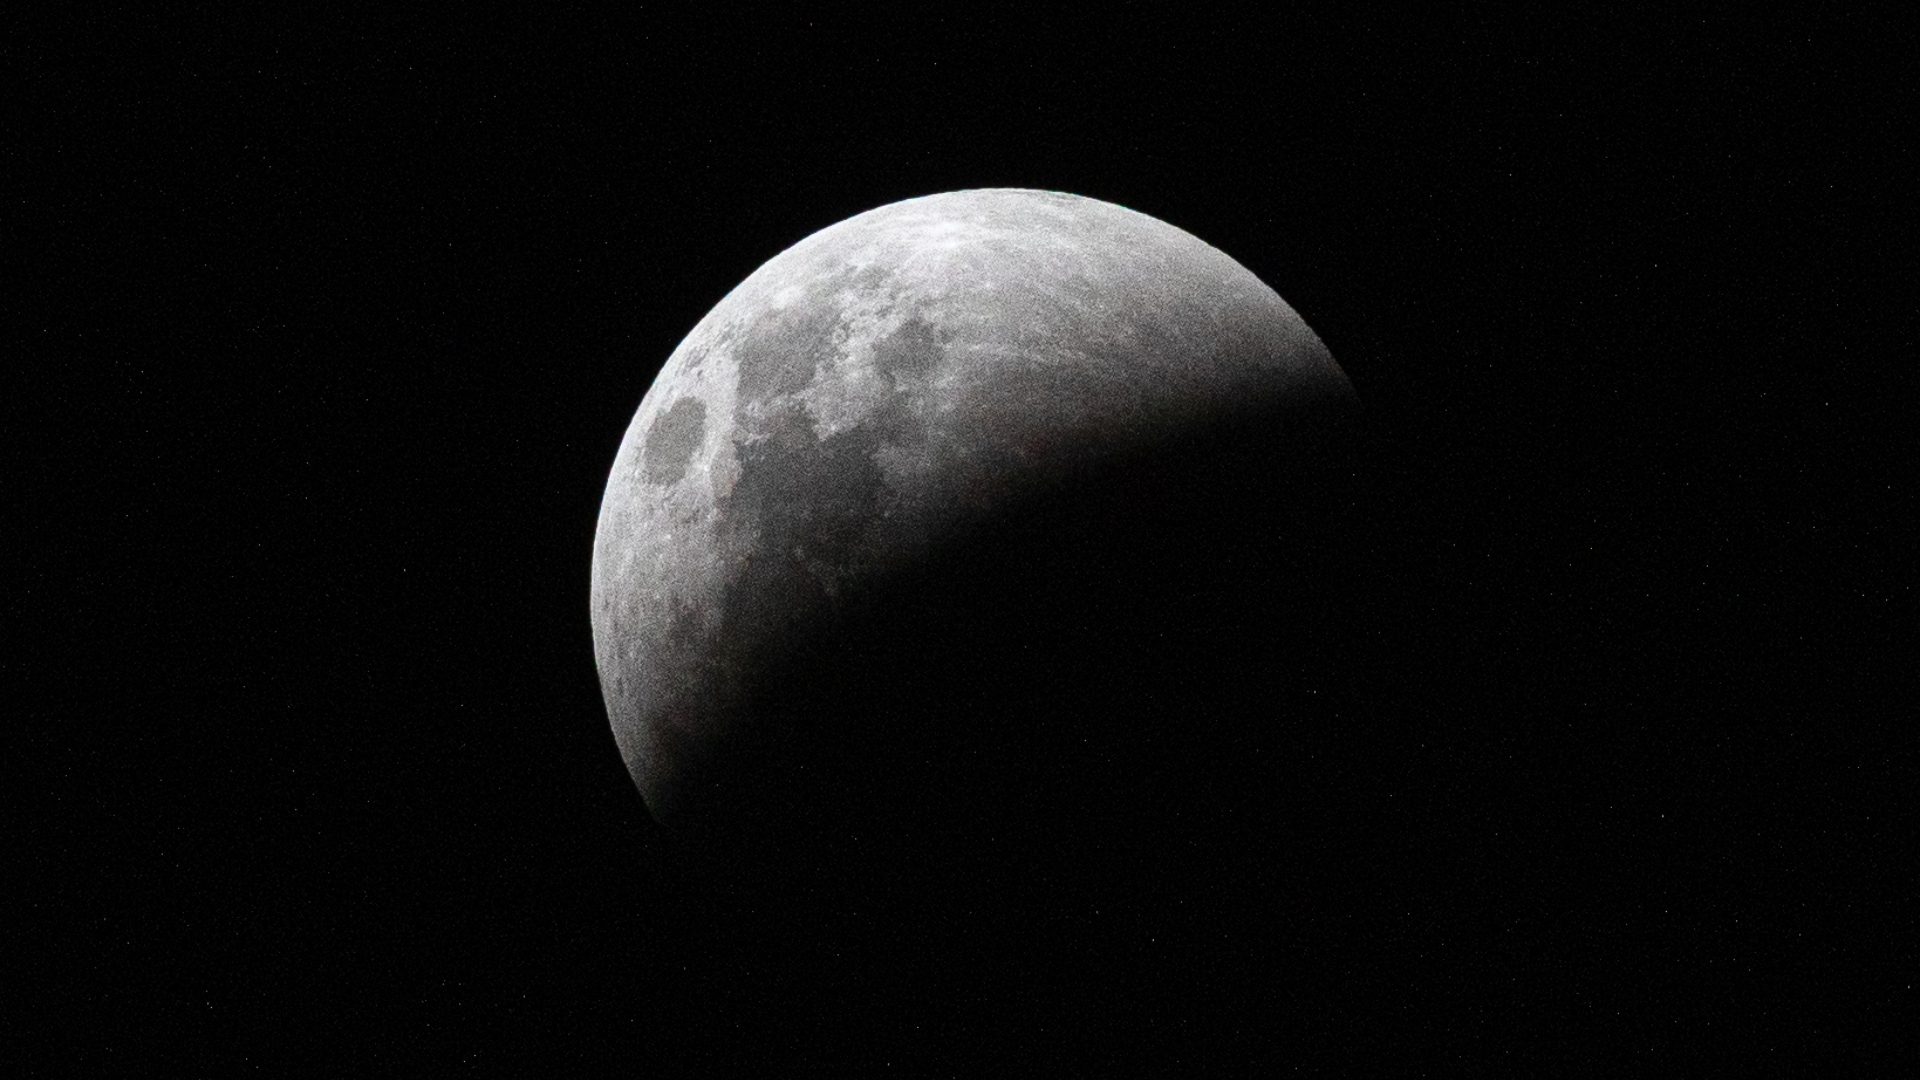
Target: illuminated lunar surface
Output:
[(873, 390)]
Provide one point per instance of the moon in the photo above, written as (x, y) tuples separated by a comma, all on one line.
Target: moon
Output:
[(878, 389)]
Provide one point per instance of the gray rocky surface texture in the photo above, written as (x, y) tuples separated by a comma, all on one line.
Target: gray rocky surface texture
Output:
[(877, 386)]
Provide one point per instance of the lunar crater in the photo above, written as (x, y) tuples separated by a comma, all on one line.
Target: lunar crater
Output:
[(672, 440)]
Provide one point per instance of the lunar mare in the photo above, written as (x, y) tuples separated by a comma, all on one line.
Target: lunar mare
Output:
[(874, 388)]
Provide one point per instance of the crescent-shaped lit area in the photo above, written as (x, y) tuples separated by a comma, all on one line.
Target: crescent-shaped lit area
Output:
[(865, 410)]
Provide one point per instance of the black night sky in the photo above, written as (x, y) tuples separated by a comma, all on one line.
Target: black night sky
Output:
[(1546, 716)]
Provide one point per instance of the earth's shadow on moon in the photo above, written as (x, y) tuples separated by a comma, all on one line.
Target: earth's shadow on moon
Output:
[(1109, 761)]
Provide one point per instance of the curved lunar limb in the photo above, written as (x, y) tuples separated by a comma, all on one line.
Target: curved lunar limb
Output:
[(874, 391)]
